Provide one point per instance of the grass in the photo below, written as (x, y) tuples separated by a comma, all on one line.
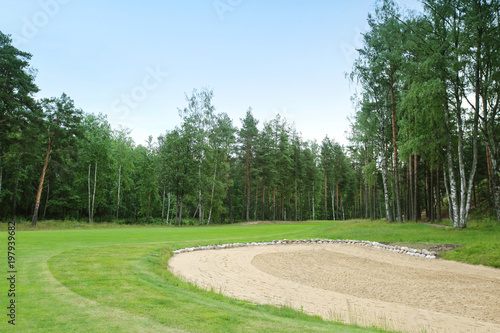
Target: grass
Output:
[(478, 244), (107, 278)]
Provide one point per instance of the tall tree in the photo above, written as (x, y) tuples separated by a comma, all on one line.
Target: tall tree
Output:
[(177, 159), (221, 141), (62, 120), (482, 47), (148, 182), (198, 117), (19, 113), (248, 134), (454, 40), (123, 147), (379, 65), (391, 31), (95, 161)]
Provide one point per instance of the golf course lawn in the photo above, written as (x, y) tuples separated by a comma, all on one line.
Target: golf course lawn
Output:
[(116, 279)]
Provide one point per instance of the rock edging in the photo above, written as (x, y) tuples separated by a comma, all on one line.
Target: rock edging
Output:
[(421, 253)]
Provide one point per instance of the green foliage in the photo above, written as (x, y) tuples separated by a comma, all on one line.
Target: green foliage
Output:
[(418, 74), (434, 70), (147, 185), (20, 118)]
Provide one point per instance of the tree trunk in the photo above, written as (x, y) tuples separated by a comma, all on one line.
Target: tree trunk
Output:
[(326, 201), (295, 199), (229, 193), (496, 187), (90, 195), (453, 198), (177, 208), (1, 173), (333, 204), (410, 213), (355, 204), (342, 206), (180, 210), (461, 167), (367, 203), (200, 216), (492, 156), (490, 127), (431, 192), (395, 144), (231, 218), (408, 193), (448, 196), (16, 187), (466, 187), (168, 210), (309, 202), (283, 204), (301, 218), (93, 195), (438, 197), (212, 196), (247, 202), (367, 191), (149, 206), (314, 213), (337, 211), (248, 183), (372, 204), (263, 201), (388, 214), (118, 194), (46, 200), (361, 198), (256, 199), (163, 206), (274, 203), (466, 207), (415, 194), (40, 186)]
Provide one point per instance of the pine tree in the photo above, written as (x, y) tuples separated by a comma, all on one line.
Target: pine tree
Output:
[(248, 135), (62, 119)]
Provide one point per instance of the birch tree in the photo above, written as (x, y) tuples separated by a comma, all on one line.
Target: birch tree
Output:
[(221, 141), (447, 19), (382, 57), (482, 48), (148, 182), (95, 154), (123, 147), (197, 118)]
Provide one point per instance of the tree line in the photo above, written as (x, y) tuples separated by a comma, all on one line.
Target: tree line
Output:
[(423, 141), (58, 162), (427, 114)]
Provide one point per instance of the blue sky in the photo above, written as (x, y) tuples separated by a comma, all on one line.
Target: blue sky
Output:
[(136, 60)]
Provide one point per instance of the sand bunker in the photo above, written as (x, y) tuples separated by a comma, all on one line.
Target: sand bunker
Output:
[(353, 284)]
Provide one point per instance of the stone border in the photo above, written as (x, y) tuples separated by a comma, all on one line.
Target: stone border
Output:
[(422, 253)]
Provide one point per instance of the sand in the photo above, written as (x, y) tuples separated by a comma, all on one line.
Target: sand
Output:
[(353, 284)]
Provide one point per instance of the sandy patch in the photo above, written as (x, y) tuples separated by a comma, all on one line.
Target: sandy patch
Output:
[(354, 285)]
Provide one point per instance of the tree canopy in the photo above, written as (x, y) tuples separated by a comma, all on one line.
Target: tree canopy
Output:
[(423, 142)]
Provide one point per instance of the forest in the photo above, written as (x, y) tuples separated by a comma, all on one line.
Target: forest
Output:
[(423, 143)]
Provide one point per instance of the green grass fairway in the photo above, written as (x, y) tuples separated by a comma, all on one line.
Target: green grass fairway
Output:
[(116, 279)]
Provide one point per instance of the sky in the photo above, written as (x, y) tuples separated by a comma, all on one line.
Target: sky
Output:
[(135, 61)]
